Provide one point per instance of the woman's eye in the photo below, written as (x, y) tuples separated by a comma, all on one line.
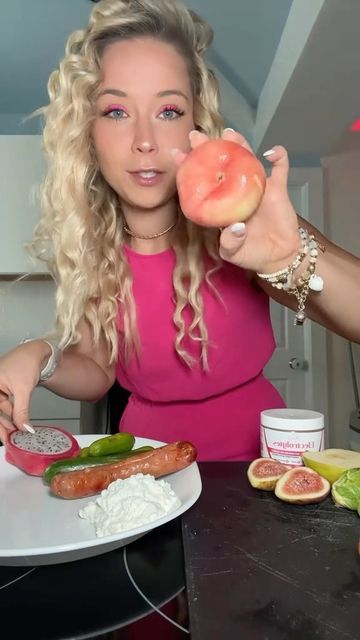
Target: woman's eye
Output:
[(116, 114), (171, 114)]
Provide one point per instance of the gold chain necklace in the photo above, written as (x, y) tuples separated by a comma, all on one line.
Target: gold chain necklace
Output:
[(156, 235)]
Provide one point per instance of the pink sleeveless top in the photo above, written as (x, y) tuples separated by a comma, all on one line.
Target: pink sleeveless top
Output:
[(218, 410)]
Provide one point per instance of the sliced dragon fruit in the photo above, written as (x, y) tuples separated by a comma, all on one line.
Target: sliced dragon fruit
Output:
[(33, 452)]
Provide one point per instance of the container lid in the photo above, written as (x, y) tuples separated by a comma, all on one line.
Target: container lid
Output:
[(292, 419)]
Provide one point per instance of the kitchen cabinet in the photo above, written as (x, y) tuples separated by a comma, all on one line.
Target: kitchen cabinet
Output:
[(22, 171), (27, 307), (48, 409)]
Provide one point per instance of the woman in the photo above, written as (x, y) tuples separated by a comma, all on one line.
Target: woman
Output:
[(177, 313)]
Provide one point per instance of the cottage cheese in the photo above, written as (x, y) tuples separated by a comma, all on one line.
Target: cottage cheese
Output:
[(129, 503)]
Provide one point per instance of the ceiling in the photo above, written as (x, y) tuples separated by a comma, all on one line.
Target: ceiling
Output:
[(288, 69)]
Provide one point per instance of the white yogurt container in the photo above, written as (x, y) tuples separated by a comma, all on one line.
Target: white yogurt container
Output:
[(286, 433)]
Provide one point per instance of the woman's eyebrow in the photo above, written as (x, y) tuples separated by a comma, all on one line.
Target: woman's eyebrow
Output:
[(113, 92), (160, 94), (172, 92)]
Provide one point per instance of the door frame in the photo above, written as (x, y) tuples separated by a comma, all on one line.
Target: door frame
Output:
[(310, 181)]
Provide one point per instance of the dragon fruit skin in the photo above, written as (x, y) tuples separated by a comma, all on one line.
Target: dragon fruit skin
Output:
[(34, 452)]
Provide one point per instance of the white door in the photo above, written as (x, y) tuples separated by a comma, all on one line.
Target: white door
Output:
[(298, 366)]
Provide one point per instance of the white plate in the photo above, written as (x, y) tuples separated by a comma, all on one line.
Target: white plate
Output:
[(37, 528)]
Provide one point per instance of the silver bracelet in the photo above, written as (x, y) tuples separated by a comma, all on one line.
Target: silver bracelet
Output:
[(54, 358)]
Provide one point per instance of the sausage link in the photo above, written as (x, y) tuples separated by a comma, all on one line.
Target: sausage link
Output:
[(158, 462)]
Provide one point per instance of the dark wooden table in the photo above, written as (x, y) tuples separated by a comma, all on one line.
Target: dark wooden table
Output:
[(259, 569)]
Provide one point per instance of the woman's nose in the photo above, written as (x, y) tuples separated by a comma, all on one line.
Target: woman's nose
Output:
[(145, 146), (144, 140)]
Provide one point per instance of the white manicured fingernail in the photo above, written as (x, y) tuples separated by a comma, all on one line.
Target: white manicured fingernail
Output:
[(229, 129), (238, 229), (269, 152), (29, 428)]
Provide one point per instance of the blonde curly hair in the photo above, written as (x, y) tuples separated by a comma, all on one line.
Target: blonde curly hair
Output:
[(80, 234)]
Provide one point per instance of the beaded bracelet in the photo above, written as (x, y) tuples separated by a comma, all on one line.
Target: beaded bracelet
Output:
[(284, 279)]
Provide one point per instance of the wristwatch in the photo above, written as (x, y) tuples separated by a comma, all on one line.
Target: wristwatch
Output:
[(54, 358)]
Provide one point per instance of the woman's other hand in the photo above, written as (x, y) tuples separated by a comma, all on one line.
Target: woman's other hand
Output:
[(19, 374)]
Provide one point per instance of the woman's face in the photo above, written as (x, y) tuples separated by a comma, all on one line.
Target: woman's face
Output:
[(144, 109)]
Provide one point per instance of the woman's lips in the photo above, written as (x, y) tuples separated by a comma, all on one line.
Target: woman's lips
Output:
[(147, 178)]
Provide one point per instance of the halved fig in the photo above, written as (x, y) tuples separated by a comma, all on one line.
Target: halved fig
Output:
[(263, 473), (302, 485)]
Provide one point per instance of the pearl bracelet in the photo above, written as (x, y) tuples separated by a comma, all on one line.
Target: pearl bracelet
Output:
[(284, 279)]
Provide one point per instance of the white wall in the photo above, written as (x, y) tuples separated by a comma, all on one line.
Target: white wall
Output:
[(342, 225)]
